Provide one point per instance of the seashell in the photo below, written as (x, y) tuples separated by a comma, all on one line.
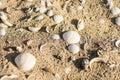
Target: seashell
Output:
[(82, 1), (79, 8), (55, 36), (117, 43), (117, 21), (58, 19), (9, 77), (3, 25), (42, 9), (4, 19), (101, 21), (115, 11), (42, 2), (34, 29), (48, 3), (18, 48), (29, 10), (71, 37), (97, 59), (2, 31), (67, 70), (80, 25), (85, 64), (73, 48), (109, 4), (50, 13), (25, 61), (40, 17)]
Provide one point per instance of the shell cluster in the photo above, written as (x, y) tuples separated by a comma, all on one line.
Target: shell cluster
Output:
[(25, 61)]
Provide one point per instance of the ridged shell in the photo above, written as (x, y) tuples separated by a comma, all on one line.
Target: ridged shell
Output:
[(25, 61), (115, 11), (74, 48), (117, 21), (71, 37), (58, 19)]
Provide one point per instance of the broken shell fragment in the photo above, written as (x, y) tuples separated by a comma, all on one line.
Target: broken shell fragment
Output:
[(9, 77), (40, 17), (58, 19), (4, 19), (115, 11), (117, 21), (55, 36), (73, 48), (71, 37), (80, 25), (25, 61), (50, 13), (42, 9), (48, 3), (117, 43), (2, 31), (82, 1), (34, 29)]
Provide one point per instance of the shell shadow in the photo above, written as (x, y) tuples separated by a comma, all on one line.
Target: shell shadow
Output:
[(11, 57)]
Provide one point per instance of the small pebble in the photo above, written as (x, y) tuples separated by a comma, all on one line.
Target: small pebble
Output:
[(101, 21), (50, 13), (79, 8), (115, 11), (74, 48), (58, 19), (67, 70), (55, 36), (49, 4), (117, 21), (38, 18), (42, 9)]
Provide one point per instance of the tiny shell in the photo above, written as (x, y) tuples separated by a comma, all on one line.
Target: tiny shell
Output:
[(67, 70), (117, 43), (73, 48), (79, 8), (2, 31), (50, 13), (18, 48), (42, 2), (34, 29), (40, 17), (115, 11), (55, 36), (25, 61), (80, 25), (101, 21), (58, 19), (4, 19), (71, 37), (117, 21), (48, 3), (6, 77), (42, 9)]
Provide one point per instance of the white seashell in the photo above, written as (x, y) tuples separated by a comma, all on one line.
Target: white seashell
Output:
[(48, 3), (101, 21), (25, 61), (2, 31), (115, 11), (50, 13), (55, 36), (80, 25), (109, 4), (73, 48), (4, 19), (79, 8), (40, 17), (34, 29), (117, 21), (71, 37), (82, 1), (42, 9), (117, 43), (67, 70), (58, 19), (3, 25), (6, 77), (42, 2)]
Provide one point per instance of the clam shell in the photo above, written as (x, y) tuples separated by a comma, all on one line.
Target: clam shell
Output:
[(80, 25), (42, 9), (2, 31), (71, 37), (34, 29), (115, 11), (117, 43), (55, 36), (6, 77), (117, 21), (50, 13), (58, 19), (25, 61), (74, 48), (40, 17)]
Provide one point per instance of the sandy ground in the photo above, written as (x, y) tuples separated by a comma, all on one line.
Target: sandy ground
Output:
[(55, 57)]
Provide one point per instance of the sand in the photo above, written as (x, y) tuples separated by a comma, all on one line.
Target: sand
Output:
[(54, 57)]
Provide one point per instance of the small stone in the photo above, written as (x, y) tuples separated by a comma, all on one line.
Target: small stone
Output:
[(67, 70), (42, 9), (50, 13), (74, 48), (55, 36), (101, 21), (58, 19)]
